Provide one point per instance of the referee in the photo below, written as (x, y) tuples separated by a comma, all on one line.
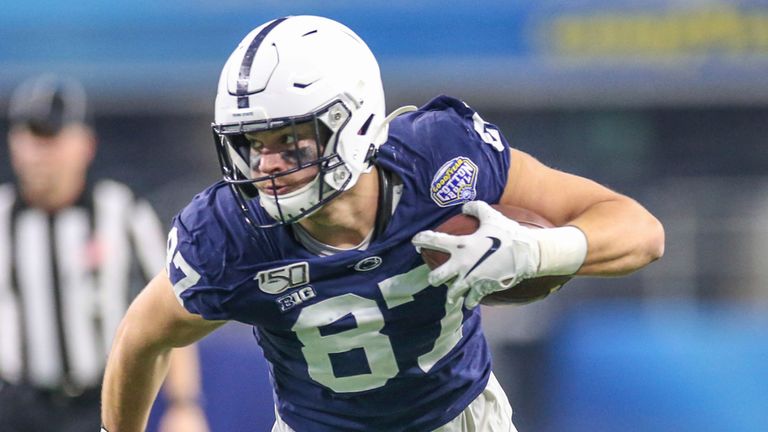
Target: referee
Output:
[(72, 254)]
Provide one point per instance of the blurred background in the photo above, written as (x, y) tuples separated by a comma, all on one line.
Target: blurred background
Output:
[(666, 101)]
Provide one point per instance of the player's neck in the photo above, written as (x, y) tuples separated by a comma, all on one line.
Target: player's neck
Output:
[(347, 220)]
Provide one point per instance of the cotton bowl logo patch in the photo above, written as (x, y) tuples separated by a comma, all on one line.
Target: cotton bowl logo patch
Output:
[(455, 182)]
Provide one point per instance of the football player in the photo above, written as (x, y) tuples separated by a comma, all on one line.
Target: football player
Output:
[(310, 238)]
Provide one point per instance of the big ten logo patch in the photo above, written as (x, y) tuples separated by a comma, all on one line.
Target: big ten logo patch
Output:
[(455, 182), (291, 300)]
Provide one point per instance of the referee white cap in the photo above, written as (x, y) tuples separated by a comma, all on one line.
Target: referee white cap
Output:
[(47, 103)]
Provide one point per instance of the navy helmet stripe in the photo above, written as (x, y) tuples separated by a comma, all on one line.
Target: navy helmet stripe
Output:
[(245, 66)]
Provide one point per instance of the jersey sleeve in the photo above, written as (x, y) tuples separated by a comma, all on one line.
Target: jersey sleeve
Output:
[(193, 260), (466, 157)]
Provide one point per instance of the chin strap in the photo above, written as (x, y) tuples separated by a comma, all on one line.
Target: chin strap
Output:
[(386, 183), (384, 127), (384, 211)]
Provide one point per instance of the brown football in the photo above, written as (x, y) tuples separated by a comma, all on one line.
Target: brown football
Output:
[(526, 291)]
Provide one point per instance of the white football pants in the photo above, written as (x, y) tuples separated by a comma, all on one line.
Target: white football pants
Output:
[(489, 412)]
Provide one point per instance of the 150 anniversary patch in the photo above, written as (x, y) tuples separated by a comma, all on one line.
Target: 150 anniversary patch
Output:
[(455, 182)]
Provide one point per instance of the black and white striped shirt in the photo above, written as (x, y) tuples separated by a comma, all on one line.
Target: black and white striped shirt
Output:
[(66, 280)]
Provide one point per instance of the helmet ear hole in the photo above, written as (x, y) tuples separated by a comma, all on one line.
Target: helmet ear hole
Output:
[(364, 128)]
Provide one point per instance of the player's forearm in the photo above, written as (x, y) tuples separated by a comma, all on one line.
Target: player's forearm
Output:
[(132, 379), (621, 236)]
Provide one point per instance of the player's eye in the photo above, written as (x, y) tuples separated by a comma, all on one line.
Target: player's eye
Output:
[(298, 155), (257, 146), (289, 139)]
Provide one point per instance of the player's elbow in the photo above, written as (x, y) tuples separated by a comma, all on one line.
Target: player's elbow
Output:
[(653, 245), (134, 338), (644, 246), (144, 329)]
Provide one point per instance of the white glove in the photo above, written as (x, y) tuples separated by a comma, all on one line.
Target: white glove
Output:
[(497, 256), (500, 254)]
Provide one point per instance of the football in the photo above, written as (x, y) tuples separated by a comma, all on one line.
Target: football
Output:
[(526, 291)]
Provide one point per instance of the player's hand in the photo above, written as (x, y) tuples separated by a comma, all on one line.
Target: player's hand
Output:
[(496, 257)]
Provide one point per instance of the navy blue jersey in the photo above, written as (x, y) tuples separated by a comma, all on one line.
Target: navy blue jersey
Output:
[(358, 340)]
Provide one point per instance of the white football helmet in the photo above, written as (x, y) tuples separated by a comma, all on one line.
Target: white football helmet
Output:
[(290, 71)]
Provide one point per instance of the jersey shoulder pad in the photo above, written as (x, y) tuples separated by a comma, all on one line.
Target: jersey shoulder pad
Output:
[(199, 241), (447, 125), (204, 227), (460, 157)]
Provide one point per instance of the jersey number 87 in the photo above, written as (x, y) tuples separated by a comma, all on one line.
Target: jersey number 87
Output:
[(396, 291)]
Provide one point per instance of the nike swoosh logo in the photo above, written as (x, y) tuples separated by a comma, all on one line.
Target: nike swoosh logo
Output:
[(495, 243)]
